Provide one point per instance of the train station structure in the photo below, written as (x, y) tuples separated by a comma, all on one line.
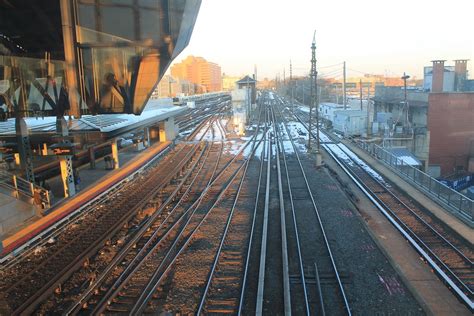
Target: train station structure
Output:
[(75, 87), (115, 201)]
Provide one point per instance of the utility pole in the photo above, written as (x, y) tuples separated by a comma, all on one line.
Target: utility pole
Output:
[(405, 104), (284, 78), (291, 87), (344, 85), (360, 84), (314, 74), (368, 110), (302, 82), (311, 89)]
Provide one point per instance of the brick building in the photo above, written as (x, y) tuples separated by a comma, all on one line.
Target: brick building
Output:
[(451, 127)]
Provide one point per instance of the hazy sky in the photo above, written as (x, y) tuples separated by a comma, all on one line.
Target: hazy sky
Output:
[(373, 36)]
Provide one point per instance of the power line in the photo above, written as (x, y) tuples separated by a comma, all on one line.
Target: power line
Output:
[(329, 66)]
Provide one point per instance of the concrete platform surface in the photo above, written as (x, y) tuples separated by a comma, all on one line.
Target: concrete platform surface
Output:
[(93, 183), (14, 212)]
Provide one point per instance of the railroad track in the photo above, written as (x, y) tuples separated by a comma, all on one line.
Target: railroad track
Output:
[(123, 296), (72, 251), (223, 288), (149, 236), (76, 242), (445, 252), (330, 296), (150, 258)]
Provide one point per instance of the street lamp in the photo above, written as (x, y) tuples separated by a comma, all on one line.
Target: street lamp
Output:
[(405, 104)]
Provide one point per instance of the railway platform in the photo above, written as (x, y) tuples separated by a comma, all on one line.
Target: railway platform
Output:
[(24, 225), (454, 223)]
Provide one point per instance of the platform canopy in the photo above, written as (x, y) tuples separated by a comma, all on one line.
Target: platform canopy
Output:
[(109, 125), (88, 56)]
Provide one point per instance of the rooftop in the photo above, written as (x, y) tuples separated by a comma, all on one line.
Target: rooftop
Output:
[(110, 125)]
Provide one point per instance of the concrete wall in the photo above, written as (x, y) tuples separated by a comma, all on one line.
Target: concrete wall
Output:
[(451, 127)]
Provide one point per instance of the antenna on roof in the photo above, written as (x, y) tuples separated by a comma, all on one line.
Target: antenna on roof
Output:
[(314, 37)]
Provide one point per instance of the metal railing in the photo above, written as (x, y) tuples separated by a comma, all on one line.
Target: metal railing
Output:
[(453, 201), (21, 186)]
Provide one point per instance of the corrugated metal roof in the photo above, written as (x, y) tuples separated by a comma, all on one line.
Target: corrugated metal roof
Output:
[(405, 155), (104, 123)]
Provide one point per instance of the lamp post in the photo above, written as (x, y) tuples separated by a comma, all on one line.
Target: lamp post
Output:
[(405, 103)]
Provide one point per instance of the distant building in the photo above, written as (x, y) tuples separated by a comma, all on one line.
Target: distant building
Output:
[(369, 84), (248, 83), (442, 78), (199, 71), (170, 87), (266, 84), (229, 82)]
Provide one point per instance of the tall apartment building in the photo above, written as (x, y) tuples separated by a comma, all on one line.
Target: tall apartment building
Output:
[(199, 71)]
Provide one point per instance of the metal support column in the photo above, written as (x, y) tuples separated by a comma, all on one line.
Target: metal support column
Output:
[(92, 157), (24, 149), (69, 39), (146, 136), (67, 176), (115, 155)]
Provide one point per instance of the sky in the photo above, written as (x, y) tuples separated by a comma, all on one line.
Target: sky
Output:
[(372, 36)]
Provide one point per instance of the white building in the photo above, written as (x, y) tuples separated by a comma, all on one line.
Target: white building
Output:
[(350, 122), (449, 76), (326, 110)]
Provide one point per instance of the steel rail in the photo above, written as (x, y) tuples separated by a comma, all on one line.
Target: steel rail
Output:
[(349, 153), (293, 213), (192, 207), (284, 242), (424, 250), (407, 236), (204, 296), (224, 235), (252, 229), (22, 252), (28, 304), (316, 211), (411, 211), (414, 234), (139, 234), (155, 280), (125, 277), (263, 250)]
